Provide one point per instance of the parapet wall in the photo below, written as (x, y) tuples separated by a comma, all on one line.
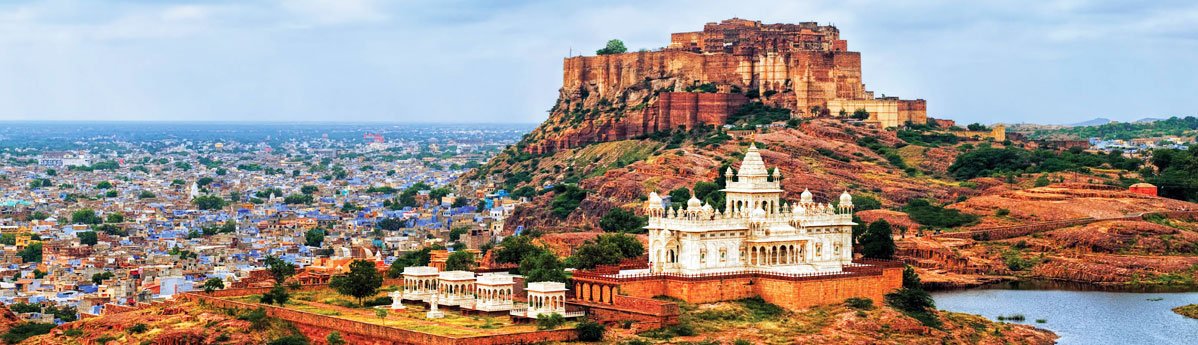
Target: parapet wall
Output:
[(788, 291), (316, 327)]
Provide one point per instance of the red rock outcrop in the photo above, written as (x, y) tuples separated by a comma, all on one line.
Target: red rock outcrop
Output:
[(800, 67)]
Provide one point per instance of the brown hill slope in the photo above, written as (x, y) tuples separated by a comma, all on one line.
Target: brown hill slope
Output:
[(823, 155)]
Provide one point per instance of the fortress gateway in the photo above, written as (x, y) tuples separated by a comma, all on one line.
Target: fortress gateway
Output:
[(793, 255)]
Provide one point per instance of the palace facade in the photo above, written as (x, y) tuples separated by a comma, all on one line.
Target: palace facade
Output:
[(756, 231)]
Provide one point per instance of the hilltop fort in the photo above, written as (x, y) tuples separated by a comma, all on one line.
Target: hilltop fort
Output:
[(704, 77)]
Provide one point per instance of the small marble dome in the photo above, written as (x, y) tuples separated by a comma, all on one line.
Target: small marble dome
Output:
[(707, 208), (757, 213), (693, 203), (654, 201), (846, 199), (806, 197)]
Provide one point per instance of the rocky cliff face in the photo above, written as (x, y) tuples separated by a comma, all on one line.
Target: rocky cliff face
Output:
[(620, 96)]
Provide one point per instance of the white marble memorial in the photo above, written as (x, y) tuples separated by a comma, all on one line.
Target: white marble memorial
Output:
[(756, 231)]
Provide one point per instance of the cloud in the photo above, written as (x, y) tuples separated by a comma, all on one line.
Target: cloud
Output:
[(332, 12), (466, 61)]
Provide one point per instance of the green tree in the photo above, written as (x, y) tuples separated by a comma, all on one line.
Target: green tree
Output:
[(566, 199), (145, 194), (542, 266), (621, 220), (1042, 181), (204, 181), (280, 270), (362, 280), (391, 224), (334, 338), (457, 232), (314, 237), (680, 196), (31, 253), (37, 215), (276, 295), (614, 46), (913, 300), (606, 249), (104, 185), (295, 199), (878, 241), (514, 249), (861, 114), (460, 261), (87, 237), (460, 201), (229, 226), (115, 217), (213, 284), (590, 331), (100, 277), (308, 189), (208, 202), (85, 216)]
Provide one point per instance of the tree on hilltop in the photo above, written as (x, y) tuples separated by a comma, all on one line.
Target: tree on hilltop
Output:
[(878, 241), (280, 270), (362, 281), (613, 47)]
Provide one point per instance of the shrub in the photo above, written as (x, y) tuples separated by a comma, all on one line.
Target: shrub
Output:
[(741, 342), (138, 328), (552, 321), (924, 212), (759, 309), (912, 300), (289, 340), (25, 330), (1002, 212), (590, 331), (257, 317), (73, 332), (384, 300), (860, 303), (334, 338)]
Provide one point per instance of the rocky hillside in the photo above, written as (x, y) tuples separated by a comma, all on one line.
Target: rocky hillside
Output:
[(827, 156), (170, 324)]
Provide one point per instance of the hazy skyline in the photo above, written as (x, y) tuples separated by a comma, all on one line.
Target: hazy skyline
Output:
[(464, 61)]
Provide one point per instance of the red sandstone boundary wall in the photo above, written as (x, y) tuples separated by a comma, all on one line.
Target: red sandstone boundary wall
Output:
[(791, 291), (318, 326)]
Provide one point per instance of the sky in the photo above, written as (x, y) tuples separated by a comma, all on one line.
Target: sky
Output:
[(500, 61)]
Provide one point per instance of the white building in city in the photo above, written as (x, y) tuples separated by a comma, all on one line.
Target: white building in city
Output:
[(756, 231)]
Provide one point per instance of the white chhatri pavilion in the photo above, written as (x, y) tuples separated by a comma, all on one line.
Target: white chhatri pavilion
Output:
[(544, 298), (457, 288), (494, 292), (419, 283), (755, 232)]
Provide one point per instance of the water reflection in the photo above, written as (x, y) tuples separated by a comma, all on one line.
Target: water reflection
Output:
[(1082, 313)]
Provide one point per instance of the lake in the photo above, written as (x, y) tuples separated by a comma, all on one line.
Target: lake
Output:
[(1082, 314)]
